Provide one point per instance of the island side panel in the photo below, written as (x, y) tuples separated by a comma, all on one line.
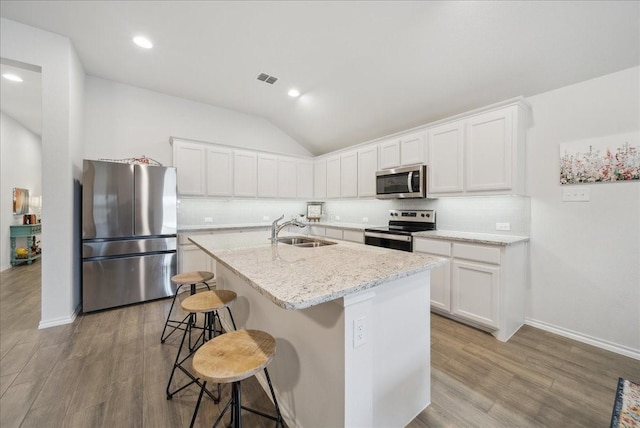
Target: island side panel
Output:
[(401, 350), (308, 368)]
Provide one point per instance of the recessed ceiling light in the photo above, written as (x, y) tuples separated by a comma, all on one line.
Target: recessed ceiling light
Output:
[(294, 93), (143, 42), (12, 77)]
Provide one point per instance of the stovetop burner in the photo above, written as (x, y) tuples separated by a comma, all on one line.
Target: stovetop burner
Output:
[(407, 222)]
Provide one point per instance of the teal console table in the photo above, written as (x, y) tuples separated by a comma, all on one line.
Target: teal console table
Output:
[(29, 231)]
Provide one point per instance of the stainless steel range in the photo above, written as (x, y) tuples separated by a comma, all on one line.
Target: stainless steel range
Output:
[(402, 224)]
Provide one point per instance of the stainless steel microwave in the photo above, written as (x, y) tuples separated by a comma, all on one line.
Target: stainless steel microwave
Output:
[(401, 183)]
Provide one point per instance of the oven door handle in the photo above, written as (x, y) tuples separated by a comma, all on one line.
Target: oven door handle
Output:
[(403, 238)]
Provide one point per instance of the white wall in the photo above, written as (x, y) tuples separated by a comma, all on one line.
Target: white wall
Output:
[(585, 257), (20, 159), (62, 94), (124, 121)]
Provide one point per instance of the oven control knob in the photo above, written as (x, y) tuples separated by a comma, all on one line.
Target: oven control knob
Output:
[(428, 215)]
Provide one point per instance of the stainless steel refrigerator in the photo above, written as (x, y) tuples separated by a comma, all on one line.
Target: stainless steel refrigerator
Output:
[(129, 241)]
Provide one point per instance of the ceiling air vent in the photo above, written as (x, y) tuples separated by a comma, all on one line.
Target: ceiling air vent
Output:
[(263, 77)]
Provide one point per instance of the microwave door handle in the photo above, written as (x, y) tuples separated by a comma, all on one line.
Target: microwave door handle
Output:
[(409, 176)]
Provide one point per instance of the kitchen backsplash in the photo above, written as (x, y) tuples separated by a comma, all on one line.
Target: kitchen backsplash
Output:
[(473, 214), (195, 212)]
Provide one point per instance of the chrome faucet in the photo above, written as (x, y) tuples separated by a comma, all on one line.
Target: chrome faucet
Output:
[(275, 228)]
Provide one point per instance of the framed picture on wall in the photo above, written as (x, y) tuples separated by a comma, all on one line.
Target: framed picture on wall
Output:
[(20, 201), (605, 159)]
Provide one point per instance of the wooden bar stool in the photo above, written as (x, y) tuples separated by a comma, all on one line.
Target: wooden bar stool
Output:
[(207, 303), (230, 358), (186, 278)]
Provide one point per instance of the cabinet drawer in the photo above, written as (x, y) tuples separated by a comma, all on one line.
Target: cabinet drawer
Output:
[(334, 233), (353, 236), (432, 246), (477, 252), (316, 231)]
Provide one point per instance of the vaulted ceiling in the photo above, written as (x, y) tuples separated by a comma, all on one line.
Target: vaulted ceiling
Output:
[(364, 69)]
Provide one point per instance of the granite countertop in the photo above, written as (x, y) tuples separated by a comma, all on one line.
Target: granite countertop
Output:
[(298, 278), (476, 238)]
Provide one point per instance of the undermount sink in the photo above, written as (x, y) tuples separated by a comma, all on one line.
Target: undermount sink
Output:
[(304, 242)]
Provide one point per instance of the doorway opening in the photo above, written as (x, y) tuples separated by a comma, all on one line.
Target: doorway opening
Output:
[(21, 162)]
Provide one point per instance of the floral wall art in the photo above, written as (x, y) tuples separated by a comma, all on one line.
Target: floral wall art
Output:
[(602, 160)]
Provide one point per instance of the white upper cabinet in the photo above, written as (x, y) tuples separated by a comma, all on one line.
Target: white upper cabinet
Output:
[(412, 149), (390, 154), (267, 176), (479, 155), (445, 151), (320, 179), (244, 174), (304, 179), (488, 151), (219, 171), (367, 167), (287, 178), (349, 174), (401, 151), (333, 177), (189, 159)]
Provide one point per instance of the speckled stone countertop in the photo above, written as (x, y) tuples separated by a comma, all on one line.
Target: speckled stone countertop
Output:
[(476, 238), (298, 278)]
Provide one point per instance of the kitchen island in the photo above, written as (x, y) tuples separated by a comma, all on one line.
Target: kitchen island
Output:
[(351, 324)]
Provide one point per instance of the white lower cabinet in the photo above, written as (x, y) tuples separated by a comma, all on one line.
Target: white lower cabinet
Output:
[(334, 233), (482, 285), (474, 291), (316, 231), (192, 258), (441, 275), (345, 235), (441, 287), (353, 236)]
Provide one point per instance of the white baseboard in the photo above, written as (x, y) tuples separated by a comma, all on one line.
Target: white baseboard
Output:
[(59, 321), (599, 343)]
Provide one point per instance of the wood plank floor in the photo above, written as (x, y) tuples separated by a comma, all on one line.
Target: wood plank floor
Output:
[(108, 369)]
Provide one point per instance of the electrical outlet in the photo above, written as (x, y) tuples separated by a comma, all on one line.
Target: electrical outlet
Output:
[(337, 217), (365, 219), (265, 218), (359, 332), (576, 194), (503, 226), (208, 219)]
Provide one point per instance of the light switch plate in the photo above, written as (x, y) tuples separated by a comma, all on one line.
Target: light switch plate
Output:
[(576, 194)]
